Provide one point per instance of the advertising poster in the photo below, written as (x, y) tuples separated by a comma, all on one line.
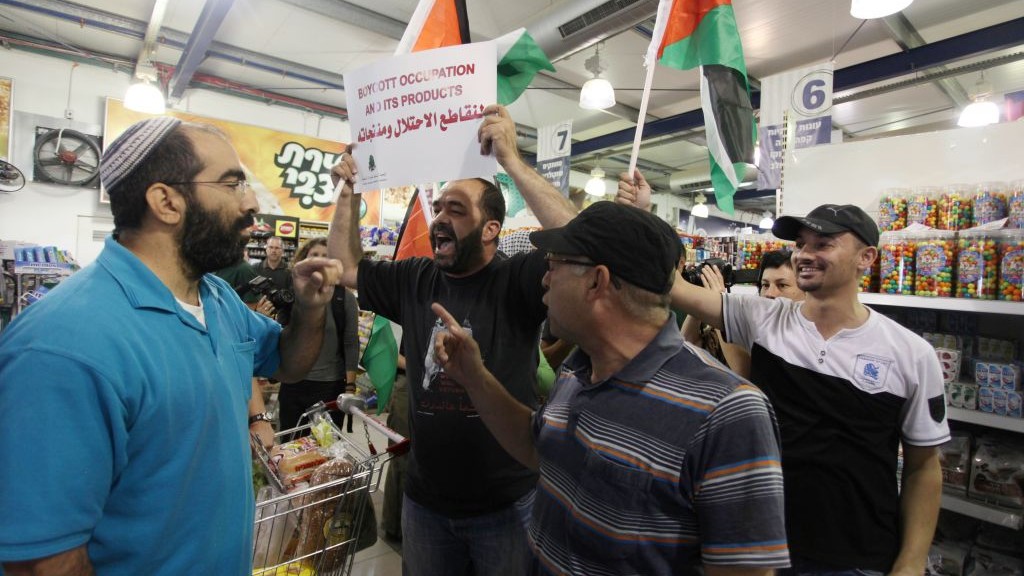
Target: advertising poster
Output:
[(289, 172), (6, 112), (414, 118)]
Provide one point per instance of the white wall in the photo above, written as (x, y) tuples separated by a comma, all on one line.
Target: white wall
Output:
[(49, 214)]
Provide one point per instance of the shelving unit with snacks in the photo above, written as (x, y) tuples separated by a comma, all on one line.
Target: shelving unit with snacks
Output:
[(310, 229), (268, 225), (983, 467)]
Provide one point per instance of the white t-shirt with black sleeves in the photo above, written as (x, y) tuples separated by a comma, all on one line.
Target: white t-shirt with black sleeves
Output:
[(844, 405)]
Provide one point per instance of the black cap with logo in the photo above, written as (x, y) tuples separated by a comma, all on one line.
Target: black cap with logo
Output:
[(830, 219)]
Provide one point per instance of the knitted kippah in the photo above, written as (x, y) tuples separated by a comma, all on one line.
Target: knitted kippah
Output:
[(128, 150)]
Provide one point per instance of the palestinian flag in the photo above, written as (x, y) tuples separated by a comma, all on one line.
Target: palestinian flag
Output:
[(414, 238), (435, 24), (519, 60), (692, 33), (380, 358)]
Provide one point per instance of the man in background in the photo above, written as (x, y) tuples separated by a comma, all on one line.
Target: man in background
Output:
[(850, 386), (274, 265)]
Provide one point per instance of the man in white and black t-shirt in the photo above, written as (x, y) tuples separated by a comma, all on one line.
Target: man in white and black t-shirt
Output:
[(848, 386)]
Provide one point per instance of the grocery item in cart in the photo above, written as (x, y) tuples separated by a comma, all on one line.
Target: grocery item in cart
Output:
[(295, 461)]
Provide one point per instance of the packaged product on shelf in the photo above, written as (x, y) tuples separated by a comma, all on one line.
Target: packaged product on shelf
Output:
[(896, 272), (1015, 205), (922, 206), (985, 399), (955, 396), (986, 562), (989, 202), (969, 395), (977, 265), (869, 279), (892, 209), (954, 208), (949, 359), (997, 471), (955, 458), (1013, 404), (948, 558), (1011, 264), (934, 255)]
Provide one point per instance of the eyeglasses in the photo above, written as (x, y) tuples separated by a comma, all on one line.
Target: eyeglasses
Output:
[(549, 258), (240, 187)]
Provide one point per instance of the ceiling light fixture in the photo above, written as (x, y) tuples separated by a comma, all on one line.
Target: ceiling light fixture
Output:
[(145, 97), (868, 9), (700, 209), (982, 111), (597, 93), (767, 222), (595, 186)]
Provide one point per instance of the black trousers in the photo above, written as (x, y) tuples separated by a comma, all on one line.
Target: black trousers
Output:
[(296, 398)]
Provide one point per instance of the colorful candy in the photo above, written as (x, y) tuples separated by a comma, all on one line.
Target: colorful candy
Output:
[(954, 208), (892, 210), (989, 202), (922, 206), (750, 248), (896, 271), (1015, 205), (977, 265), (1011, 265), (869, 279), (933, 264)]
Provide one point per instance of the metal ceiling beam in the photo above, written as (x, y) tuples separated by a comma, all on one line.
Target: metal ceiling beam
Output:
[(904, 33), (199, 41), (110, 22), (998, 37), (354, 15)]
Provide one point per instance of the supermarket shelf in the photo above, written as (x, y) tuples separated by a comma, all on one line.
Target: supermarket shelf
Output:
[(958, 304), (985, 419), (1002, 517)]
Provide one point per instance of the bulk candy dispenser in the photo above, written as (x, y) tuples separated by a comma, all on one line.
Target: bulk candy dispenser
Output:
[(977, 264)]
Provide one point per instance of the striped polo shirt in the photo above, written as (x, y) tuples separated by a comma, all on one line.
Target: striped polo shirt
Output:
[(670, 463), (844, 405)]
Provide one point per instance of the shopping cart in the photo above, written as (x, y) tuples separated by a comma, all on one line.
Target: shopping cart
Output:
[(317, 529)]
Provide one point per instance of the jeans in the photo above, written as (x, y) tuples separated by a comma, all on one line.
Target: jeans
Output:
[(489, 545)]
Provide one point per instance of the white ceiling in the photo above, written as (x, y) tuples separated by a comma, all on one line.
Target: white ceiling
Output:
[(777, 35)]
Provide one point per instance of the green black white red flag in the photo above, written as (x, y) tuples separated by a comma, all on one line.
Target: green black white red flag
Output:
[(703, 33)]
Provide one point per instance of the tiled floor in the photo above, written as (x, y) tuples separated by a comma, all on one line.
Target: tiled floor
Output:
[(385, 557)]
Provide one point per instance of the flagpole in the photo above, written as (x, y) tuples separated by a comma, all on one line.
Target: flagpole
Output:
[(640, 120)]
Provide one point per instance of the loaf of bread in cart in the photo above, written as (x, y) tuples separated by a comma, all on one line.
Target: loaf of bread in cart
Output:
[(317, 528)]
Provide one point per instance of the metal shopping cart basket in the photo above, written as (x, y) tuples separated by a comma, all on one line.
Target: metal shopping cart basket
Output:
[(315, 526)]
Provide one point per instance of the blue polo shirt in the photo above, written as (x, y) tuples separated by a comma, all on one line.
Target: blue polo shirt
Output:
[(123, 423)]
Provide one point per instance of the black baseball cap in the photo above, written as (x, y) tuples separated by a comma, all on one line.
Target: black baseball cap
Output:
[(830, 219), (634, 244)]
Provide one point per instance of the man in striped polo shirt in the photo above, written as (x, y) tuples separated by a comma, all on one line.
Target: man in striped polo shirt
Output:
[(653, 457)]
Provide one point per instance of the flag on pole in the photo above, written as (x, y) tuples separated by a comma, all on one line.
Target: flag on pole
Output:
[(414, 238), (692, 33), (519, 60), (380, 359), (435, 24)]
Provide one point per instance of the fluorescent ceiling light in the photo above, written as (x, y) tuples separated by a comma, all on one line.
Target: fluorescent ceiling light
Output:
[(980, 112), (145, 97), (597, 93), (868, 9)]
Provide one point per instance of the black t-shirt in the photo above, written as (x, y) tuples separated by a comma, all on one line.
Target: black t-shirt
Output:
[(456, 466), (281, 276)]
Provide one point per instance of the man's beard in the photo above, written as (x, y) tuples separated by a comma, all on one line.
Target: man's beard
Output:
[(469, 251), (207, 244)]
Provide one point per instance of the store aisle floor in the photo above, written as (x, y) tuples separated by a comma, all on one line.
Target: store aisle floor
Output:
[(385, 557)]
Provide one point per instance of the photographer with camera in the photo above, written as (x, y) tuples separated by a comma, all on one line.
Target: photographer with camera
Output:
[(274, 266)]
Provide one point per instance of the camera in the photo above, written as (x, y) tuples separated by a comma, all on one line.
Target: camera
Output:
[(692, 273), (280, 298)]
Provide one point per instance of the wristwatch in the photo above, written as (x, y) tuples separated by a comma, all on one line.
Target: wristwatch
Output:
[(261, 417)]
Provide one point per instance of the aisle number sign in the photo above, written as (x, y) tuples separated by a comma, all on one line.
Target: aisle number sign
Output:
[(796, 111), (554, 144)]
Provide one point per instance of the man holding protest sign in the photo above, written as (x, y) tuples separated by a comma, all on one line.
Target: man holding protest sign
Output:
[(467, 501)]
